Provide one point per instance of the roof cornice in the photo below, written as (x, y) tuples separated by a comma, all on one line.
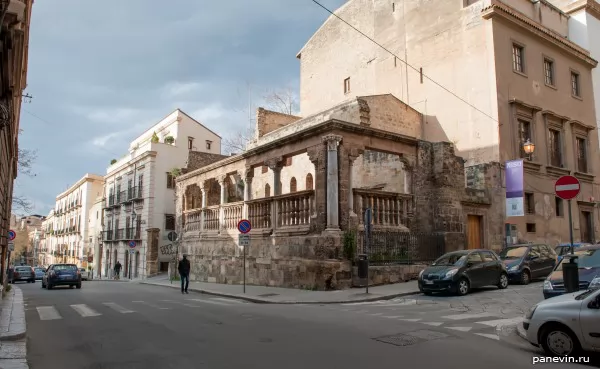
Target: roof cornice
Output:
[(497, 9), (590, 6)]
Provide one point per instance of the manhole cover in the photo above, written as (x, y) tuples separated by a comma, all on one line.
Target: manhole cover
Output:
[(269, 295), (399, 340), (427, 335)]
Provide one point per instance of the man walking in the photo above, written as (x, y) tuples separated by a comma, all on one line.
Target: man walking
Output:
[(117, 270), (184, 273)]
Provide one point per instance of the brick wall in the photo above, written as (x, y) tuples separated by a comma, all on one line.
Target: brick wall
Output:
[(197, 159), (268, 121), (389, 114)]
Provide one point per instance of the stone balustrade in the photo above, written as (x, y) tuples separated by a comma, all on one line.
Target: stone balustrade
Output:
[(389, 209), (232, 214), (294, 209)]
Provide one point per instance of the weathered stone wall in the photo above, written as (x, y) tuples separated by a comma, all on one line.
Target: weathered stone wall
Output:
[(268, 121), (380, 275), (152, 265), (388, 113), (376, 168), (197, 159), (298, 167), (306, 262)]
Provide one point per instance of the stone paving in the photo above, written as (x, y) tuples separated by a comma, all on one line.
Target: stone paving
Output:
[(13, 347)]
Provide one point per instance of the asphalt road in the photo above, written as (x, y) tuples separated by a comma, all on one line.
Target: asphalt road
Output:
[(126, 325)]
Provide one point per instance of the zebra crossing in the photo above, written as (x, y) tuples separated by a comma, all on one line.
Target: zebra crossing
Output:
[(54, 312), (491, 324)]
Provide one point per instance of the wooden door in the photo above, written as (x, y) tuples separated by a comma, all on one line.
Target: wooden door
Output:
[(474, 239), (585, 226)]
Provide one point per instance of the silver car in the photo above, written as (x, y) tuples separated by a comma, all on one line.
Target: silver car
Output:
[(85, 275)]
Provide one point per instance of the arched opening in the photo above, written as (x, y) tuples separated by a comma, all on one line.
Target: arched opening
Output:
[(267, 190), (126, 264), (293, 185), (137, 264), (309, 181)]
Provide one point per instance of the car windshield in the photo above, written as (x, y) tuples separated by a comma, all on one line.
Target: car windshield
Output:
[(70, 268), (513, 252), (586, 259), (451, 259), (39, 269)]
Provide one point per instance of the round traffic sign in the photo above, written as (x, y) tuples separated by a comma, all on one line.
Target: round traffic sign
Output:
[(132, 244), (244, 226), (12, 235), (567, 187)]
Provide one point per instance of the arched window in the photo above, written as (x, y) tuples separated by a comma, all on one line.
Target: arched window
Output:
[(267, 190), (293, 185), (309, 181)]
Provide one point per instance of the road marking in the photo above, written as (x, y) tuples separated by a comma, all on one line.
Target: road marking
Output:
[(435, 324), (228, 300), (85, 310), (376, 314), (411, 320), (468, 316), (502, 322), (118, 308), (151, 305), (490, 336), (209, 302), (462, 329), (48, 313), (393, 317)]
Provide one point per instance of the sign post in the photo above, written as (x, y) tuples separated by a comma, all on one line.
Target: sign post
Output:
[(244, 227), (567, 188), (132, 245), (368, 214)]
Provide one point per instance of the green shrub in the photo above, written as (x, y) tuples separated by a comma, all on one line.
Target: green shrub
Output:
[(8, 288), (113, 161), (169, 140), (154, 138), (349, 243)]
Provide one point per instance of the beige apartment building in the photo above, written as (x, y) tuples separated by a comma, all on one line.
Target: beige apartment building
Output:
[(487, 76)]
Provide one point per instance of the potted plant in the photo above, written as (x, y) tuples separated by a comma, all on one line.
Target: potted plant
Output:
[(169, 140), (154, 138), (113, 161)]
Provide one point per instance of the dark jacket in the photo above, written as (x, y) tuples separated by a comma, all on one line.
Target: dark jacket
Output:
[(184, 267), (118, 267)]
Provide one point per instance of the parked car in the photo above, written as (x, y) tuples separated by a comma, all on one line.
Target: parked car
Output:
[(526, 262), (565, 248), (62, 275), (39, 273), (23, 273), (566, 324), (85, 275), (460, 271), (588, 261)]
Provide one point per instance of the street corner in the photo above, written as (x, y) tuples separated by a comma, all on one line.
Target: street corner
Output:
[(12, 318)]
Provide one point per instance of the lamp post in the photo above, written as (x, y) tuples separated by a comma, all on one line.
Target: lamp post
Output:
[(529, 148)]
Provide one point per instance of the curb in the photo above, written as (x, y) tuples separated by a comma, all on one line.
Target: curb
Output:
[(264, 301), (15, 300), (521, 331)]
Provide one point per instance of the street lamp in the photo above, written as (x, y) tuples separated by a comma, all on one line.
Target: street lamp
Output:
[(529, 148)]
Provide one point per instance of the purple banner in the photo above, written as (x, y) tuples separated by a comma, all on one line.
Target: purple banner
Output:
[(514, 179)]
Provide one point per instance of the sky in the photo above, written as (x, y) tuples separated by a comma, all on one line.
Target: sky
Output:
[(102, 72)]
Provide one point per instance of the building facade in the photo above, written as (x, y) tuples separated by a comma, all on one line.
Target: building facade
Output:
[(69, 233), (95, 221), (14, 34), (140, 192), (487, 76)]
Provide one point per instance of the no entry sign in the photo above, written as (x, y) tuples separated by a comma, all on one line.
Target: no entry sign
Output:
[(567, 187)]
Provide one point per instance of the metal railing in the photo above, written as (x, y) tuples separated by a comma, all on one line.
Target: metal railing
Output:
[(392, 248)]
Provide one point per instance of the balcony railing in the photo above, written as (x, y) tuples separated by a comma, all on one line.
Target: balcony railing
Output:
[(389, 209), (232, 214), (131, 194), (132, 233), (108, 235)]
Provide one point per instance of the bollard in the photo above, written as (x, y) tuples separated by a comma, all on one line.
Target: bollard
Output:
[(571, 274), (363, 266)]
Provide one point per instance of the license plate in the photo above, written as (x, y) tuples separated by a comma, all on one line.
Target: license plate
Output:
[(65, 277), (428, 282)]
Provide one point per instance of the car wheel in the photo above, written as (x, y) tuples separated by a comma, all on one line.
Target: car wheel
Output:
[(525, 277), (427, 293), (503, 283), (79, 286), (462, 288), (49, 286), (71, 286), (558, 340)]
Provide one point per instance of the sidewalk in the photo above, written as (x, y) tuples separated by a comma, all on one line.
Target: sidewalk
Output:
[(13, 349), (277, 295)]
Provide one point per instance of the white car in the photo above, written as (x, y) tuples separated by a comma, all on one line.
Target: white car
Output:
[(567, 324), (85, 275)]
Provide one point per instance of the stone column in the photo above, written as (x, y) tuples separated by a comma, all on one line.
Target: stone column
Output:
[(275, 165), (203, 206), (248, 176), (221, 180), (352, 155), (333, 217)]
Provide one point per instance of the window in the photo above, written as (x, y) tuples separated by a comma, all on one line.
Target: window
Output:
[(208, 144), (549, 72), (529, 203), (169, 222), (474, 258), (554, 144), (581, 147), (267, 190), (347, 85), (288, 161), (190, 143), (558, 206), (575, 88), (518, 58), (170, 181), (309, 182), (293, 185), (488, 257), (530, 227), (140, 185), (524, 135), (264, 169)]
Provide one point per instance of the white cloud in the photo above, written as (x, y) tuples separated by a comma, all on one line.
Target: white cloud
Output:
[(113, 116), (101, 141), (208, 113), (177, 89)]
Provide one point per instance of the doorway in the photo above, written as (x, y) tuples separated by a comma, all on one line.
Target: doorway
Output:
[(585, 221), (474, 236), (126, 264)]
